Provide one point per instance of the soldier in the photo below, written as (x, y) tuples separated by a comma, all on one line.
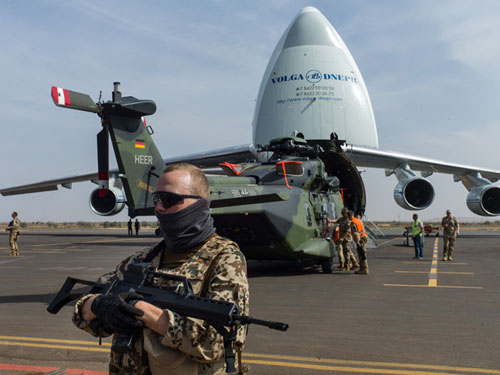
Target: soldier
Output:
[(451, 230), (171, 343), (417, 229), (13, 228), (137, 226), (129, 226), (346, 257), (360, 238)]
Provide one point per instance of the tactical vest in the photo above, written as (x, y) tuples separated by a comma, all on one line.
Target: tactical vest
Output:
[(164, 360)]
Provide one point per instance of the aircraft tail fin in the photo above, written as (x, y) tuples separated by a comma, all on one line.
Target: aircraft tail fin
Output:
[(139, 161)]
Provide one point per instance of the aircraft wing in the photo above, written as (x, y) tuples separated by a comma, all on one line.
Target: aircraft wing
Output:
[(376, 158), (47, 185), (361, 156)]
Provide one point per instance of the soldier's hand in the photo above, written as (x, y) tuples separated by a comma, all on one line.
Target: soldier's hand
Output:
[(118, 312)]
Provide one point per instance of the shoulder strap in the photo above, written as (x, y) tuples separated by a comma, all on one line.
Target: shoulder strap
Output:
[(155, 251)]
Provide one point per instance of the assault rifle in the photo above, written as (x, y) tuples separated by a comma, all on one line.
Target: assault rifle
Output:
[(142, 279)]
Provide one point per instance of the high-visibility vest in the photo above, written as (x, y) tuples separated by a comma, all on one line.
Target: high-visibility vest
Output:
[(416, 228), (336, 234), (360, 226)]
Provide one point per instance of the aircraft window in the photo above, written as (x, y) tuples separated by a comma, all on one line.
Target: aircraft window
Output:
[(290, 168), (308, 214), (330, 208)]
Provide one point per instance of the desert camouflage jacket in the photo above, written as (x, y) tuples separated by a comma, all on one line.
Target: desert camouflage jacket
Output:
[(219, 268), (450, 226), (14, 225), (345, 228)]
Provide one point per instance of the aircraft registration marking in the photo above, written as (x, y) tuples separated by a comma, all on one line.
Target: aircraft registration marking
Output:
[(143, 159)]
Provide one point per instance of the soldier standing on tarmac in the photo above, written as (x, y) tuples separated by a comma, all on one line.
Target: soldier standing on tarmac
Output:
[(129, 226), (13, 228), (346, 257), (360, 238), (450, 231), (137, 226), (170, 343)]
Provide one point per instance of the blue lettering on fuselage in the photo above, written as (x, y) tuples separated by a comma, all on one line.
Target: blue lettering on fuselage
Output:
[(314, 76), (286, 78)]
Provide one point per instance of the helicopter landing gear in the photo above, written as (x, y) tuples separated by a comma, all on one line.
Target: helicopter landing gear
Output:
[(327, 265)]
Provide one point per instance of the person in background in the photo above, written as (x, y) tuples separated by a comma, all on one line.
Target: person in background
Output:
[(137, 227), (360, 238), (13, 228), (417, 229), (451, 230)]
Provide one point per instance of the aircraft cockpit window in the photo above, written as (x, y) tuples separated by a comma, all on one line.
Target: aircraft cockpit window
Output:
[(289, 168)]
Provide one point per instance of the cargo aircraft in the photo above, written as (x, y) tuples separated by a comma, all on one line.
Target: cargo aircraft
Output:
[(313, 127)]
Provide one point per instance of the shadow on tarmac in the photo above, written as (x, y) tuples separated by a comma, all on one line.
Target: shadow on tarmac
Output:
[(276, 268)]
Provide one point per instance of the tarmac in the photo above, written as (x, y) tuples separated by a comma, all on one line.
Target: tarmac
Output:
[(408, 316)]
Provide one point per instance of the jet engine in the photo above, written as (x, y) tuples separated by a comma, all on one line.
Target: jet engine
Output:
[(483, 198), (108, 204), (411, 192), (414, 194)]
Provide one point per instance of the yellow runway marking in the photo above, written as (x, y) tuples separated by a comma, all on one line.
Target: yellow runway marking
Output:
[(437, 286), (433, 273), (368, 363), (58, 251), (416, 262), (53, 346), (321, 364), (440, 272), (53, 340), (94, 241)]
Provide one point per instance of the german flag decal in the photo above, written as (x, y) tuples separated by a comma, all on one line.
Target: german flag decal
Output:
[(139, 143)]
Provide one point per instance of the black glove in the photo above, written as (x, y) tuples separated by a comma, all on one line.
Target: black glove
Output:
[(118, 312)]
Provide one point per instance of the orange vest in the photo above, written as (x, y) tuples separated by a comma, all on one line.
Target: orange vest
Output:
[(360, 226), (336, 235)]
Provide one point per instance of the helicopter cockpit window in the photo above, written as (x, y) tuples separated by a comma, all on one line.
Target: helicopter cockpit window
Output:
[(290, 168), (329, 206)]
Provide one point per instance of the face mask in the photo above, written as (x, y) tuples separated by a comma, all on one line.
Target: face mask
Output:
[(188, 227)]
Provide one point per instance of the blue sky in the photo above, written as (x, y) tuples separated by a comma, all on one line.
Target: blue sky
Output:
[(432, 70)]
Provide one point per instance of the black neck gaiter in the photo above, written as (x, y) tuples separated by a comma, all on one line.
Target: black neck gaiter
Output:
[(188, 227)]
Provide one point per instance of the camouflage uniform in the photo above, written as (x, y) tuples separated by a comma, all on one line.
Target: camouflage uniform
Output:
[(346, 257), (450, 228), (361, 240), (216, 269), (13, 228)]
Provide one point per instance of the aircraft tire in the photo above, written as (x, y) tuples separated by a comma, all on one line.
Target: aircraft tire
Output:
[(327, 265)]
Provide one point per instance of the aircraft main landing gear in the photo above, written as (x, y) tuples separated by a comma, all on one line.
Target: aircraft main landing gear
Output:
[(327, 265)]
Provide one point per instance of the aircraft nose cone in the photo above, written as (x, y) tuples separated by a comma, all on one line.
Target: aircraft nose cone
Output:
[(310, 27)]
